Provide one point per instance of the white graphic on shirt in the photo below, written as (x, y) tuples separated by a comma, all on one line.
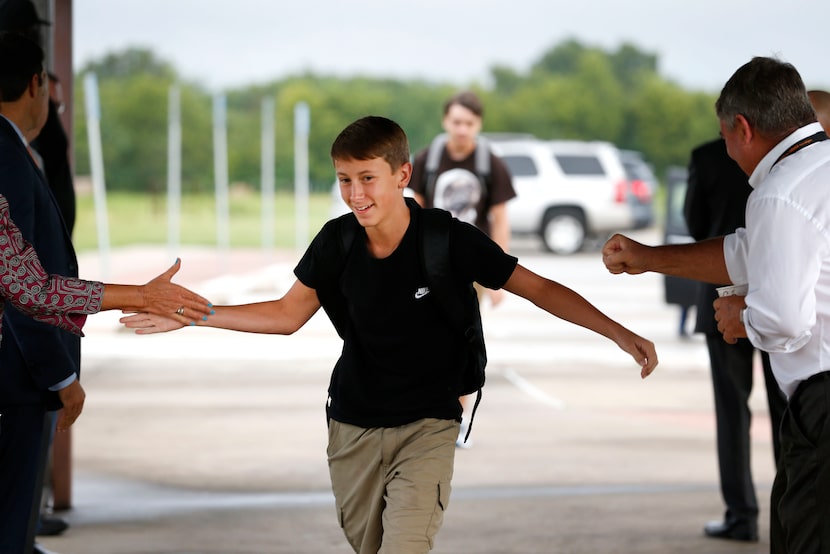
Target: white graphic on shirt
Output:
[(421, 292), (458, 191)]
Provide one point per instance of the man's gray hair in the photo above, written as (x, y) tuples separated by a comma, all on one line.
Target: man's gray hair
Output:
[(771, 96)]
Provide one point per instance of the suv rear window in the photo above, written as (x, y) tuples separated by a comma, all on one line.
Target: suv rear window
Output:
[(520, 166), (572, 164)]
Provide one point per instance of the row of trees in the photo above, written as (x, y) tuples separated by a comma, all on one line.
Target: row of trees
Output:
[(573, 91)]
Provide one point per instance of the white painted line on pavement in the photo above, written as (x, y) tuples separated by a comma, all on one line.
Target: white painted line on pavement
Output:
[(532, 390)]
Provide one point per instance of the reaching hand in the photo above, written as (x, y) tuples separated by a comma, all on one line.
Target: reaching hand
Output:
[(642, 350), (620, 254), (167, 299), (148, 324)]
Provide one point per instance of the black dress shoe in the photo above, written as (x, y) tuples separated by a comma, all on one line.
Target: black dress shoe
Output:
[(736, 530), (51, 526)]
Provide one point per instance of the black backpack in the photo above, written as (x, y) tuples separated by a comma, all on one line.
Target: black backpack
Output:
[(460, 308)]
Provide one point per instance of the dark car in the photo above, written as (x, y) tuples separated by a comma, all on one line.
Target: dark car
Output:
[(642, 185)]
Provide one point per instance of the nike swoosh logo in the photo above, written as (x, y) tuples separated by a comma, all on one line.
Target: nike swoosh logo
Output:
[(421, 292)]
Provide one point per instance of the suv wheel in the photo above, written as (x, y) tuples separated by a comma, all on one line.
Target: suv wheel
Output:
[(563, 231)]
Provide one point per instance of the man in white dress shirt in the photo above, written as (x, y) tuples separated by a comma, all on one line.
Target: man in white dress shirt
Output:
[(783, 255)]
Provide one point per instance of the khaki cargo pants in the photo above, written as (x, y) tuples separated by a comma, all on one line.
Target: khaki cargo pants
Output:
[(392, 484)]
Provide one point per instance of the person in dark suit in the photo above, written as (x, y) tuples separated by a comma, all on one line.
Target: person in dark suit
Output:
[(51, 149), (715, 205), (39, 364)]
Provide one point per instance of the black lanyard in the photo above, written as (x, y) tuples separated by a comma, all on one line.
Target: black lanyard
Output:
[(803, 143)]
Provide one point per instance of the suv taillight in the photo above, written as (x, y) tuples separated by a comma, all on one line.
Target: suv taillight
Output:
[(641, 190), (621, 191)]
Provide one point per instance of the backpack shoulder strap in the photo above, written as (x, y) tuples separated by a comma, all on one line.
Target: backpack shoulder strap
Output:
[(483, 157), (461, 310), (347, 229), (331, 298), (434, 246), (436, 150)]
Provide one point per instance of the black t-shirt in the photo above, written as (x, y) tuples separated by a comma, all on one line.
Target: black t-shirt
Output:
[(458, 188), (400, 354)]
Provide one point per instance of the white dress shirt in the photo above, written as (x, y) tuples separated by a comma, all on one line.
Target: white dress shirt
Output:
[(784, 256)]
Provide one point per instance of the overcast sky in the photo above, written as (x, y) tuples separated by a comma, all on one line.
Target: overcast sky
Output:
[(225, 43)]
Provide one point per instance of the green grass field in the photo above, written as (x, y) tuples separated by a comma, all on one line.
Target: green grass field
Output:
[(142, 219)]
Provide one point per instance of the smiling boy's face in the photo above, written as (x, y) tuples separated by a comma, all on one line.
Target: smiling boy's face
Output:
[(371, 188)]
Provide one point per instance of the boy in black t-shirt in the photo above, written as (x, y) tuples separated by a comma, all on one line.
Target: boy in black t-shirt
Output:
[(393, 415)]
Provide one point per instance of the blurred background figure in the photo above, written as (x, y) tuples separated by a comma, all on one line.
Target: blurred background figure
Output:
[(715, 205), (460, 174), (677, 290), (53, 146)]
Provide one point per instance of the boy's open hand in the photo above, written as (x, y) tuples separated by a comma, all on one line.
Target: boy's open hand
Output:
[(149, 324)]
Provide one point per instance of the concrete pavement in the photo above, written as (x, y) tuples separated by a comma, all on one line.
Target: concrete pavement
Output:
[(207, 441)]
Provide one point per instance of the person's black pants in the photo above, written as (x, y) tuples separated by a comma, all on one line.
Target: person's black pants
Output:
[(22, 439), (732, 373), (800, 504)]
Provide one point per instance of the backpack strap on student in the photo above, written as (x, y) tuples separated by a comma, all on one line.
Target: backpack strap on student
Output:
[(436, 150), (461, 311), (483, 160), (346, 228)]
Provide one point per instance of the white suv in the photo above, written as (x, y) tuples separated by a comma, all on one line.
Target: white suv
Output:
[(566, 191)]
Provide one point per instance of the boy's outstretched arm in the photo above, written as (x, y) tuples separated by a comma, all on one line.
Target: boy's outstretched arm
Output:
[(566, 304), (281, 317)]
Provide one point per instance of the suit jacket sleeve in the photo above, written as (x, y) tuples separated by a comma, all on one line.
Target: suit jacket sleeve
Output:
[(48, 357)]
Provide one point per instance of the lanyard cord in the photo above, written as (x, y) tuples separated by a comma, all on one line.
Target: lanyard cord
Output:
[(803, 143)]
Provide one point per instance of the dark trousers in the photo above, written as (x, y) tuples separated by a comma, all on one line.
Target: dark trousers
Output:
[(22, 439), (800, 504), (732, 383)]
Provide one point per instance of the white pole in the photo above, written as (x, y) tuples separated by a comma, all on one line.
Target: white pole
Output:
[(174, 170), (268, 179), (302, 124), (220, 170), (96, 159)]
